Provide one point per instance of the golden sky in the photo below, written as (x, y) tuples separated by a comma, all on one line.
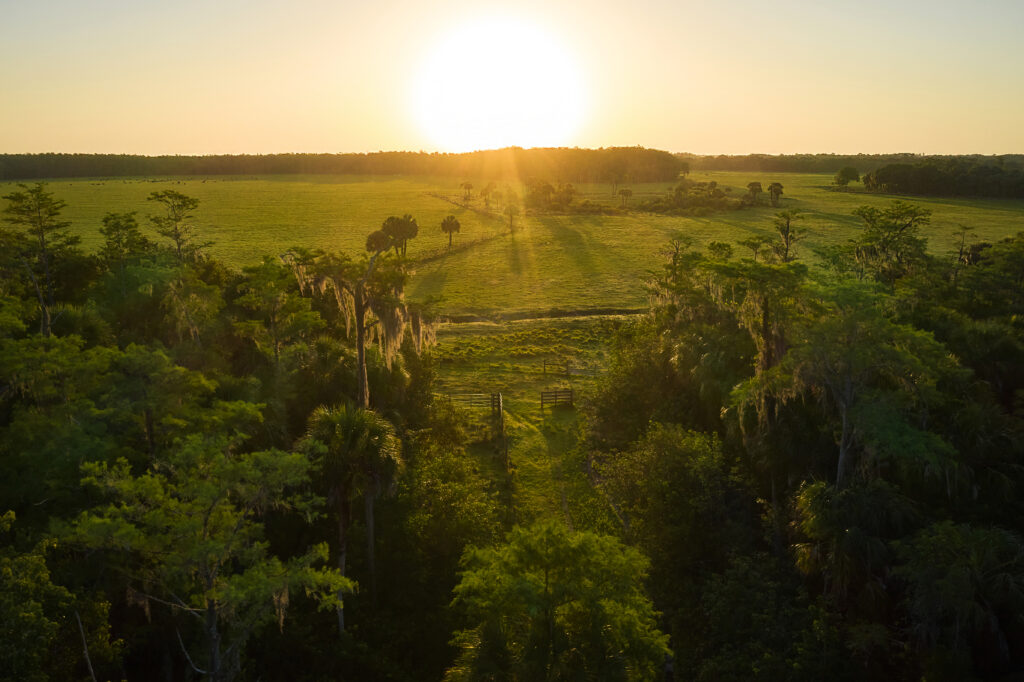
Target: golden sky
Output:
[(737, 76)]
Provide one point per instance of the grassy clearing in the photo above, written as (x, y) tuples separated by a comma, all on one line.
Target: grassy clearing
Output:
[(550, 262), (509, 358)]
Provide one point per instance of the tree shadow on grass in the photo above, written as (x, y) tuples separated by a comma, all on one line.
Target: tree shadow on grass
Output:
[(572, 241), (429, 284)]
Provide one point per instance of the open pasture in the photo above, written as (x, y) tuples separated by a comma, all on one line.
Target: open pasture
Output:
[(563, 262)]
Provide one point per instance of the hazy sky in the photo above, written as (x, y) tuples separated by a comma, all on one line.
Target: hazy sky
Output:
[(733, 76)]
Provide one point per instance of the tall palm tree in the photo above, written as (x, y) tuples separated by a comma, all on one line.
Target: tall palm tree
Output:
[(451, 226), (358, 453)]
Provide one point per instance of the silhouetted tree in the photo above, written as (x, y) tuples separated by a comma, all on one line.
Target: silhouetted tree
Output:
[(754, 188), (450, 225)]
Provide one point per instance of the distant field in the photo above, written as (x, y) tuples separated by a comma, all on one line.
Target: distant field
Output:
[(550, 262)]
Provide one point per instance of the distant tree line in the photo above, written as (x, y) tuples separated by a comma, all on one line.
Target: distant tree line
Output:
[(828, 163), (614, 164), (949, 177)]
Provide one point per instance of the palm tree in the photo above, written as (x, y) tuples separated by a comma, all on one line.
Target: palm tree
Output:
[(754, 188), (358, 452), (486, 193), (451, 226)]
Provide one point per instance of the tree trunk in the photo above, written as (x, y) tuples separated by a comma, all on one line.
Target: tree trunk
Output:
[(213, 642), (44, 309), (360, 315), (777, 532), (450, 234), (343, 523), (766, 360), (844, 451), (371, 562)]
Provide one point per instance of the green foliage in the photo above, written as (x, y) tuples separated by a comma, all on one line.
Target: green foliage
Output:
[(123, 240), (966, 586), (278, 315), (890, 245), (40, 243), (753, 624), (846, 175), (189, 530), (176, 224), (553, 604), (451, 506), (42, 629)]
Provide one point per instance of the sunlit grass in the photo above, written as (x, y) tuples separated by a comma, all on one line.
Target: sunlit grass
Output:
[(567, 263)]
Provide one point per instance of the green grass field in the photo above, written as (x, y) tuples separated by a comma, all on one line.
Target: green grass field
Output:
[(509, 358), (567, 263), (550, 262)]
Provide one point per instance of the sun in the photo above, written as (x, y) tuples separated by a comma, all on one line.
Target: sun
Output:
[(498, 82)]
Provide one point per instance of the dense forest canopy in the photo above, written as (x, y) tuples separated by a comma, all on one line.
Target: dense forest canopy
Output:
[(613, 164), (792, 472), (830, 163), (950, 177)]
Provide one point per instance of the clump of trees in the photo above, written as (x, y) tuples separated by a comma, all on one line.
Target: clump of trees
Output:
[(949, 177), (181, 446), (845, 176), (690, 197), (827, 163), (825, 460)]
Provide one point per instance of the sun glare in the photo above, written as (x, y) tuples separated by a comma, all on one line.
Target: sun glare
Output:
[(496, 83)]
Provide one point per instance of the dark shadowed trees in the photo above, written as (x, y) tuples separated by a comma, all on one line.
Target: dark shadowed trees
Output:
[(846, 175), (358, 454), (753, 190), (399, 231), (191, 535)]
